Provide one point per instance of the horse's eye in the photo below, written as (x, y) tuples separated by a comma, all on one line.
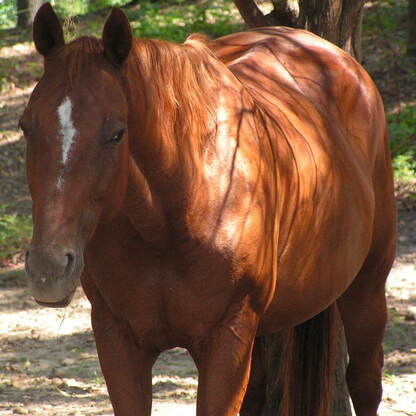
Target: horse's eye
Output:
[(116, 138)]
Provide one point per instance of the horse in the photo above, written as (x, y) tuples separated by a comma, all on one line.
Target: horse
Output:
[(206, 194)]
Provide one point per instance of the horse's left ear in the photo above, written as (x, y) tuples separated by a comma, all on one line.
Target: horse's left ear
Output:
[(117, 36)]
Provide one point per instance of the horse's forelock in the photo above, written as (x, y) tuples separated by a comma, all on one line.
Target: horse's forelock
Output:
[(78, 57)]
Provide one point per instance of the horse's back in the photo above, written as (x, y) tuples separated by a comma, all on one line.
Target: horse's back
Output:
[(296, 70)]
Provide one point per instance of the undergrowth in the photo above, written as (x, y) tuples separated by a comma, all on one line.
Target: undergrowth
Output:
[(402, 129), (15, 233), (175, 22)]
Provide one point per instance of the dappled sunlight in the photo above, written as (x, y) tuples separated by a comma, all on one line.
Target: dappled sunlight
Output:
[(25, 317), (397, 283), (49, 356), (15, 96), (12, 103), (9, 136), (400, 338), (18, 50), (397, 402)]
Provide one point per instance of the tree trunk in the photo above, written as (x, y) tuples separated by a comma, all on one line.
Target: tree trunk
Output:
[(338, 21), (272, 346), (23, 13), (26, 11), (341, 403), (34, 6), (411, 29)]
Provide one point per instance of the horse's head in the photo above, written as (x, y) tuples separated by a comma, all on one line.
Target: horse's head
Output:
[(75, 125)]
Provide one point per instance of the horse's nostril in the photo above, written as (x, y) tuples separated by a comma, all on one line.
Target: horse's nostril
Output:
[(69, 263)]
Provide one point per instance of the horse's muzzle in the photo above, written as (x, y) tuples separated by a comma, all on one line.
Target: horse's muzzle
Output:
[(53, 275)]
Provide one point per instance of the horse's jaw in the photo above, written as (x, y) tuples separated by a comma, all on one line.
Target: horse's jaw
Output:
[(61, 304)]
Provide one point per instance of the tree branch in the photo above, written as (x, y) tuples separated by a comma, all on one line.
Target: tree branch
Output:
[(251, 14), (285, 13)]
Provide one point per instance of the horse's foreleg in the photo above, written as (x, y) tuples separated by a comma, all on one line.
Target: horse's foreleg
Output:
[(223, 360), (126, 366)]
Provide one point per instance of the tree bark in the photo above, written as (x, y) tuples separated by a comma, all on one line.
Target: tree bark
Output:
[(272, 352), (341, 401), (26, 11), (338, 21), (411, 29), (23, 13), (34, 6), (251, 14)]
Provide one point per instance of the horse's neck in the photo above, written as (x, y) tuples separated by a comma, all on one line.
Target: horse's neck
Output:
[(175, 168), (173, 116)]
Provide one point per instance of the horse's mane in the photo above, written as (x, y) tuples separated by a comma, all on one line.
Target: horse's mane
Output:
[(180, 87)]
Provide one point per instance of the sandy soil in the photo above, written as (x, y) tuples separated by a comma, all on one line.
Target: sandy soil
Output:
[(49, 366)]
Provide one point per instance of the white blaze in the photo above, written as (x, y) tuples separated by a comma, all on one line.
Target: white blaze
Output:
[(67, 130)]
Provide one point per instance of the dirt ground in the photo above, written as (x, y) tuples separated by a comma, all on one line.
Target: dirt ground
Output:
[(48, 362)]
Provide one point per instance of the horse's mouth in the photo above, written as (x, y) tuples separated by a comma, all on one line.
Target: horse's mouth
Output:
[(60, 304)]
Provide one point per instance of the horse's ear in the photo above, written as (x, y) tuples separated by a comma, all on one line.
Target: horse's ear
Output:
[(117, 36), (47, 30)]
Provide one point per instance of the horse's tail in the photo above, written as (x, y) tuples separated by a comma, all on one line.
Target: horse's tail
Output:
[(309, 362)]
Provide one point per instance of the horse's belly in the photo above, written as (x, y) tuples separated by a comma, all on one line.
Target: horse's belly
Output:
[(292, 306), (312, 278)]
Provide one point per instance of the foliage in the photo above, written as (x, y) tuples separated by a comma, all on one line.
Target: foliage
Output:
[(176, 22), (64, 8), (388, 16), (385, 33), (167, 19), (402, 130), (15, 232), (80, 7), (7, 13)]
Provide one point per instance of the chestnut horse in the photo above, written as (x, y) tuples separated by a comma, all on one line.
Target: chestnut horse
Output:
[(205, 194)]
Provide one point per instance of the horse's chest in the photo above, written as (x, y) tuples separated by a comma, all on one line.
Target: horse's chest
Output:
[(164, 299)]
